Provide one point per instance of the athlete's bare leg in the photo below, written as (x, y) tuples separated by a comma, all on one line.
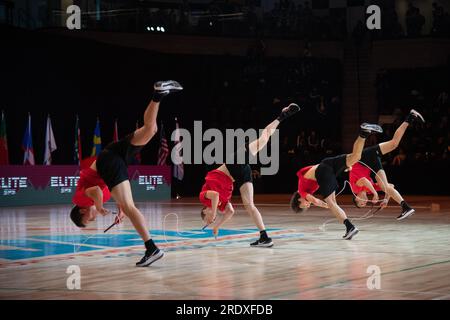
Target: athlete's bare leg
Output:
[(387, 187), (334, 207), (121, 193), (262, 141), (393, 144), (355, 156), (145, 133), (247, 199)]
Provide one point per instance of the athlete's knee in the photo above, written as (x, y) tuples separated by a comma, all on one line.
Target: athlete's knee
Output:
[(331, 201), (249, 206), (395, 144), (230, 212), (353, 158), (390, 190), (151, 129), (128, 207)]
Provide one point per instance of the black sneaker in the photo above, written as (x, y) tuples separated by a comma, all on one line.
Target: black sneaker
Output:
[(369, 128), (166, 87), (406, 213), (148, 259), (350, 233), (417, 116), (267, 243)]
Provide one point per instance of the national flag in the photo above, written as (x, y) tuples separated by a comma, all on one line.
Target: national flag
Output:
[(163, 151), (27, 144), (97, 140), (178, 168), (77, 155), (116, 132), (4, 157), (50, 143)]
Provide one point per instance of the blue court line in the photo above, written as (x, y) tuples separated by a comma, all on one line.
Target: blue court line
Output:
[(49, 245)]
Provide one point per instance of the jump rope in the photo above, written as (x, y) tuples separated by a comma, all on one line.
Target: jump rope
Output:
[(369, 214)]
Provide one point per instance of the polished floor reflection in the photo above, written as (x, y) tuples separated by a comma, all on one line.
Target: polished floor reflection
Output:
[(308, 261)]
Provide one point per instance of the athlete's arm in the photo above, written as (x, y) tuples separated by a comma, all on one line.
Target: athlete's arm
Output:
[(214, 197), (316, 202), (227, 214), (96, 194), (364, 182)]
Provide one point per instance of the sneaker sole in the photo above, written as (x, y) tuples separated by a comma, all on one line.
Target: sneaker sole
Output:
[(169, 87), (265, 245), (151, 260), (351, 234), (372, 127), (294, 106), (406, 215), (418, 115)]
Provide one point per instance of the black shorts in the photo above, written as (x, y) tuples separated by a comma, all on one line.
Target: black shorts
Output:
[(327, 171), (241, 173), (371, 156), (113, 161)]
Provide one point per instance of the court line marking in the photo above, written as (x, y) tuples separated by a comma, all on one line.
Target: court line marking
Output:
[(64, 242), (67, 256), (263, 205)]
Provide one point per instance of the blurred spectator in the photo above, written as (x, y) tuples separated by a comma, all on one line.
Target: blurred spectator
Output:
[(414, 21), (400, 158)]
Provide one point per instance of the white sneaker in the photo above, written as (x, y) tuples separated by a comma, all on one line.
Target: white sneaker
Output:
[(351, 233), (149, 259), (167, 86), (417, 115)]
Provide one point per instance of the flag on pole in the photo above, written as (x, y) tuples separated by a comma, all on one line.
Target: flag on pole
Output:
[(116, 132), (77, 156), (50, 144), (163, 148), (178, 168), (4, 157), (97, 140), (27, 144)]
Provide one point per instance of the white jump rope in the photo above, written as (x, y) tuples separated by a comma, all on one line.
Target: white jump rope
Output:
[(370, 213)]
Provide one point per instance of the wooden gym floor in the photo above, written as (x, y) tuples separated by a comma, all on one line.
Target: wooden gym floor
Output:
[(308, 261)]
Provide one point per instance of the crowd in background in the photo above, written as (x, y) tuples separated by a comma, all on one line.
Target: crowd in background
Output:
[(425, 146), (287, 19)]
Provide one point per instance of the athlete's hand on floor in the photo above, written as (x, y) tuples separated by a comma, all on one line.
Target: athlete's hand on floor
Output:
[(215, 232)]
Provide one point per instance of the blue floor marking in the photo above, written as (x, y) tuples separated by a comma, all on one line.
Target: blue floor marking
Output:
[(31, 247)]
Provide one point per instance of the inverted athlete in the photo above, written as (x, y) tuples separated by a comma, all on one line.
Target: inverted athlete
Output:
[(370, 165), (219, 183), (108, 177), (322, 178)]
